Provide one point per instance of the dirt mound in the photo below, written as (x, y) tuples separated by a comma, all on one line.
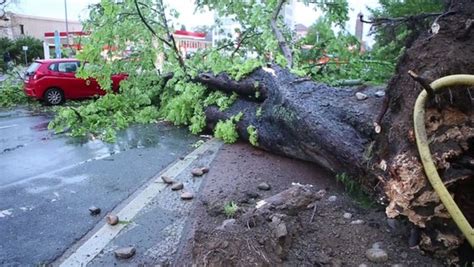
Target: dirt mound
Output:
[(291, 223)]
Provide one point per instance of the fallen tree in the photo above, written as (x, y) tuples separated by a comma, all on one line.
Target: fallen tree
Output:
[(362, 132), (329, 126)]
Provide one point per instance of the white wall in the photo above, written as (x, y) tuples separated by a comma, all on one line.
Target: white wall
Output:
[(36, 26)]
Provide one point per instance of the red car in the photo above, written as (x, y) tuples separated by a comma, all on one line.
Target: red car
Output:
[(54, 81)]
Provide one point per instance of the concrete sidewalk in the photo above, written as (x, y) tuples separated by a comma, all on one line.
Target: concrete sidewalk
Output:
[(154, 219)]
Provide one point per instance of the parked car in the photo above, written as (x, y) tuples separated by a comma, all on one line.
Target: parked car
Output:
[(54, 81)]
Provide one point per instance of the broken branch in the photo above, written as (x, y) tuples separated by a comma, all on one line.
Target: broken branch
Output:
[(422, 81)]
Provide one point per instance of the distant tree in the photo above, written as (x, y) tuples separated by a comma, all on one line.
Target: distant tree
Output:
[(320, 32), (35, 49), (395, 25), (337, 58), (5, 44)]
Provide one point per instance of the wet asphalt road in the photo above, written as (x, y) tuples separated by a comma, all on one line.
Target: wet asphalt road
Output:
[(48, 182)]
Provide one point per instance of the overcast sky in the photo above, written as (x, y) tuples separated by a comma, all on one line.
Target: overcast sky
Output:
[(78, 9)]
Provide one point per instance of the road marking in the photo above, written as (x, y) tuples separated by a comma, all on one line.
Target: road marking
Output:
[(98, 241), (8, 126)]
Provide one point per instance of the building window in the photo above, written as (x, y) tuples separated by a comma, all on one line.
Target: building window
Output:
[(22, 29)]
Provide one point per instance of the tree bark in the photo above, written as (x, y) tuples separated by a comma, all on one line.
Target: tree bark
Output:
[(330, 127)]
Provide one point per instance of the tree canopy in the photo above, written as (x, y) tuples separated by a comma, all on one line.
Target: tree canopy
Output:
[(151, 52)]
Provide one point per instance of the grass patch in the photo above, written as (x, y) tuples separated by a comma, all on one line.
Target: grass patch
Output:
[(230, 209)]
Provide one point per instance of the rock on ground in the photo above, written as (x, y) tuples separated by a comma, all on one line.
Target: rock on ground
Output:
[(112, 219), (93, 210), (376, 255), (187, 196), (125, 253), (177, 186), (264, 186)]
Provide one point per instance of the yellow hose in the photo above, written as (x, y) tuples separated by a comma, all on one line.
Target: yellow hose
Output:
[(425, 154)]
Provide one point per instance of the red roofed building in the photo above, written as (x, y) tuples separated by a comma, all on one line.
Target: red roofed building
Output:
[(189, 42)]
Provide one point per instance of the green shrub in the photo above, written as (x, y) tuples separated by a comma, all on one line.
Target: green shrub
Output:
[(230, 209), (11, 93), (226, 131), (253, 135)]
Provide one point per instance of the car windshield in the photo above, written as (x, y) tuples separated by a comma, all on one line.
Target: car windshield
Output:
[(32, 68)]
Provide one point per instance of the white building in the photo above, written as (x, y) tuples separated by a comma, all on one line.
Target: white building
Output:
[(14, 26)]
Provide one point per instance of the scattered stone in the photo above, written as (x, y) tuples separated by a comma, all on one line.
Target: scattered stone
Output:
[(398, 265), (187, 196), (377, 128), (363, 265), (361, 96), (347, 215), (226, 224), (376, 255), (197, 172), (112, 219), (177, 186), (181, 158), (380, 94), (358, 222), (125, 253), (167, 179), (94, 210), (205, 169), (332, 198), (264, 186)]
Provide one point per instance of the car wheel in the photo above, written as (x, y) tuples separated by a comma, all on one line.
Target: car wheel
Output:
[(54, 96)]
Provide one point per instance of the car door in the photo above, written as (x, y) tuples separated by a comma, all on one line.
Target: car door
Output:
[(91, 84), (73, 87)]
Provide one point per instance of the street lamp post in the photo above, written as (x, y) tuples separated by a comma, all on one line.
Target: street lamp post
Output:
[(25, 48), (67, 25)]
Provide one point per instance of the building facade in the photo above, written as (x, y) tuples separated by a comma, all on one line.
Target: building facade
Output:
[(190, 42), (301, 31), (14, 26)]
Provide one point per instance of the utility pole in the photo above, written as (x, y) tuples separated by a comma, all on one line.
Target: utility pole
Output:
[(67, 25)]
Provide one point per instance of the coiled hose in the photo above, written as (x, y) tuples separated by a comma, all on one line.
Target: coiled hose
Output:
[(425, 154)]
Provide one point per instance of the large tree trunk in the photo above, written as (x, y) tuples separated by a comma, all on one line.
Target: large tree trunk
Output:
[(329, 126)]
